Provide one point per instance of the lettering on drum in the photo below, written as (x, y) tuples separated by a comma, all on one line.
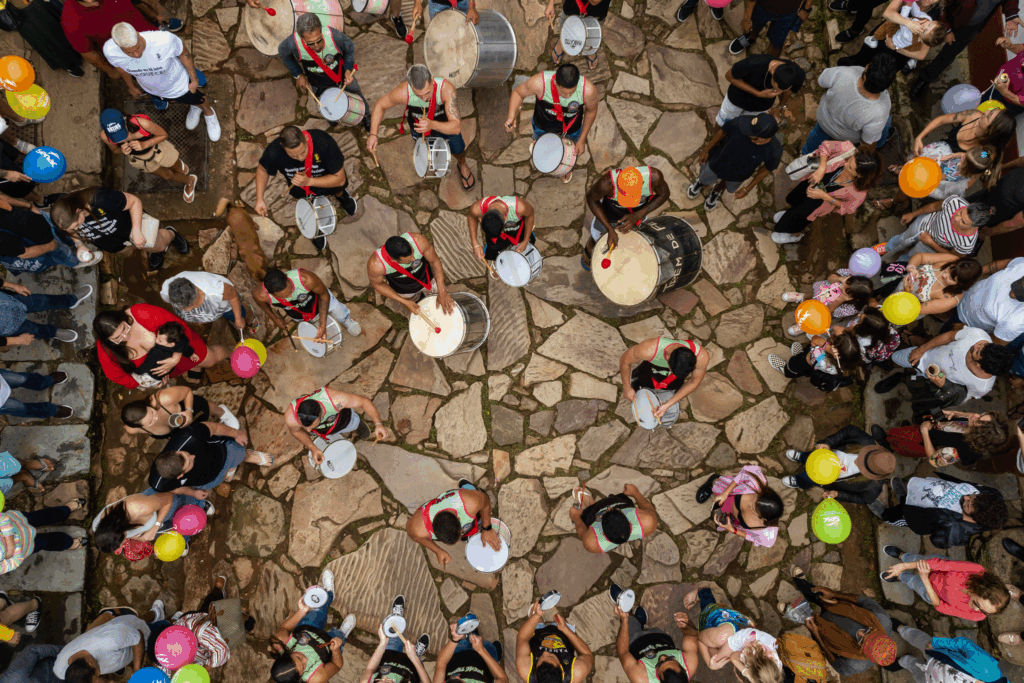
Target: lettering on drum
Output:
[(572, 42)]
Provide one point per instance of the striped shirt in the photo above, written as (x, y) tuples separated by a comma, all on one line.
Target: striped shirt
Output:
[(15, 525), (940, 227), (213, 650)]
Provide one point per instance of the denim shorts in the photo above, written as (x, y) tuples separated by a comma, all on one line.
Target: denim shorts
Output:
[(575, 137), (781, 24), (455, 142)]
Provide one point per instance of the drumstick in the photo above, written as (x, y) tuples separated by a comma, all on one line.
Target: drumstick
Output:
[(313, 339), (651, 401), (429, 321), (317, 99)]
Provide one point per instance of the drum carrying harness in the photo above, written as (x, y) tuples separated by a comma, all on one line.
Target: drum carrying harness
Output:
[(430, 109), (394, 264), (301, 45)]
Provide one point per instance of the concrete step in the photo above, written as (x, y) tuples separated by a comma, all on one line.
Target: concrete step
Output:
[(77, 392), (62, 572), (59, 281), (67, 444)]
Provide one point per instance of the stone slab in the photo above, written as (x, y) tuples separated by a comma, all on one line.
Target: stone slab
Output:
[(68, 445), (586, 343), (417, 370), (59, 281), (258, 523), (572, 570), (682, 77), (635, 119), (449, 233), (354, 244), (522, 505), (411, 478), (317, 519), (509, 337), (266, 105), (562, 281), (460, 424), (50, 572)]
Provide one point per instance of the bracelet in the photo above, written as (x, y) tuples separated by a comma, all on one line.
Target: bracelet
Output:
[(489, 527), (372, 135)]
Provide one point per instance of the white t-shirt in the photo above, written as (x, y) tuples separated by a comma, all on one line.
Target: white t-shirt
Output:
[(987, 305), (111, 645), (952, 360), (931, 492), (847, 464), (158, 71), (212, 287), (904, 36)]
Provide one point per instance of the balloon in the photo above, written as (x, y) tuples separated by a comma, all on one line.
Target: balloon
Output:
[(16, 73), (901, 308), (191, 673), (960, 98), (44, 165), (989, 105), (919, 177), (823, 466), (189, 520), (169, 546), (245, 362), (175, 647), (32, 103), (2, 501), (718, 3), (257, 346), (865, 261), (149, 674), (830, 521), (813, 317)]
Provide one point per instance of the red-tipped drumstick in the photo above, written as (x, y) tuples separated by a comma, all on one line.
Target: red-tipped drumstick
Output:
[(408, 37), (270, 11)]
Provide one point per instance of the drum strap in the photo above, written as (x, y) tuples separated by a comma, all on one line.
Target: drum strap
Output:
[(394, 264), (284, 303), (582, 5), (336, 77), (664, 383), (558, 107), (430, 109), (309, 160)]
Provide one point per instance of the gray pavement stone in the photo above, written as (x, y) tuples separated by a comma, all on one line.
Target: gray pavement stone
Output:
[(908, 541), (59, 281), (68, 445), (51, 572), (77, 392)]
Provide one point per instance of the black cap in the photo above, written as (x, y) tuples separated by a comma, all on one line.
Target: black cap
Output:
[(759, 126)]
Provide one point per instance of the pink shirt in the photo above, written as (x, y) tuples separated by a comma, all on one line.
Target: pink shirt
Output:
[(1012, 69), (949, 579)]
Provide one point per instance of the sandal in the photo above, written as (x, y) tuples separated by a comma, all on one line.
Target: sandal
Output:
[(556, 56), (79, 543), (883, 204), (1009, 638), (796, 572), (782, 607), (266, 459), (591, 61), (191, 196), (194, 376), (79, 501), (471, 179), (43, 462), (583, 259), (567, 177)]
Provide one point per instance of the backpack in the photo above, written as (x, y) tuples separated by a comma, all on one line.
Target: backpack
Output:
[(803, 657)]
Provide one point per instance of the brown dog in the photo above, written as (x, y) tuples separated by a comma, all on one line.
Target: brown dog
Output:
[(244, 232)]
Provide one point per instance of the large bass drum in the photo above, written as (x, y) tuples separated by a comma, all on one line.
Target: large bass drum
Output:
[(266, 32), (469, 55)]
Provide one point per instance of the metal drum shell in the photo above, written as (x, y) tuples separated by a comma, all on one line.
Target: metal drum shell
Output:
[(496, 52)]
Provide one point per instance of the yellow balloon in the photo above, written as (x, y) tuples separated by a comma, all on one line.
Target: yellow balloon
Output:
[(823, 466), (32, 103), (989, 105), (901, 308), (257, 346), (169, 546)]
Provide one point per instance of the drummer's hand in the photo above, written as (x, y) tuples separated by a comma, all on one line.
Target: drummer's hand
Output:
[(491, 538), (581, 147), (473, 15), (443, 557), (413, 307), (410, 650), (560, 623), (630, 394), (318, 456), (659, 412), (479, 251), (627, 224), (423, 125), (383, 636), (521, 247), (321, 333), (549, 11), (620, 614), (255, 4), (349, 77), (381, 432), (417, 12), (445, 300), (371, 143), (300, 180), (477, 642), (301, 82), (613, 238), (510, 125), (261, 209)]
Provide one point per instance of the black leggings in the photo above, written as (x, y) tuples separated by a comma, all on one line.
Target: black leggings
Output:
[(797, 366), (54, 541), (797, 216), (864, 9)]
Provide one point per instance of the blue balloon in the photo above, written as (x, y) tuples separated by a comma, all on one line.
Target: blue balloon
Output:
[(44, 165), (149, 674), (865, 262), (960, 97)]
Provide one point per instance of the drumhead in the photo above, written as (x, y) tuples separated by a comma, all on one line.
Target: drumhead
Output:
[(548, 152), (320, 349), (482, 557), (643, 408), (266, 32), (549, 600), (513, 268), (421, 157), (441, 153), (453, 329), (574, 35), (393, 624), (333, 104), (315, 597), (627, 599), (305, 216), (451, 48), (339, 459), (632, 275)]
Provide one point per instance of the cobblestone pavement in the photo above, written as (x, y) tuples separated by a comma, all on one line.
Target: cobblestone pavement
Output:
[(539, 407)]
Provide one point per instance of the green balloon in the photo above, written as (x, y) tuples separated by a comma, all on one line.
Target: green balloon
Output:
[(831, 522), (191, 673)]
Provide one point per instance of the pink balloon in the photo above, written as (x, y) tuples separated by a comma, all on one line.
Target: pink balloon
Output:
[(175, 647), (718, 3), (245, 362), (189, 520)]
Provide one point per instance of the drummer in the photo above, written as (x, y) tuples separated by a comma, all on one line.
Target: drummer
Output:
[(405, 269), (467, 7), (649, 655), (606, 525), (453, 516), (431, 109), (597, 9), (395, 661), (329, 414), (302, 295), (672, 368), (312, 163), (507, 222), (321, 61), (566, 105), (620, 200), (551, 653), (469, 659)]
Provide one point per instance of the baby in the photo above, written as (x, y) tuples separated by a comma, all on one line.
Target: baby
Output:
[(900, 38), (171, 342)]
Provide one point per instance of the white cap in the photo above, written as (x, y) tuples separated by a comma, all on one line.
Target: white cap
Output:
[(124, 35)]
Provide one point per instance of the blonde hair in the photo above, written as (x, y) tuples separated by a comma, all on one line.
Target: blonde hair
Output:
[(124, 35), (761, 666)]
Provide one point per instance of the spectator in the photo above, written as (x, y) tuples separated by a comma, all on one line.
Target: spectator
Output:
[(110, 643), (856, 106), (139, 517), (955, 588), (937, 280), (124, 339), (88, 24), (20, 538), (948, 659), (17, 330), (745, 505), (862, 9), (960, 171), (741, 146), (33, 663), (1009, 82), (829, 363), (991, 130), (14, 471), (905, 46), (1007, 637), (598, 9), (876, 336), (468, 658), (12, 612), (854, 632), (688, 6), (782, 17), (867, 460), (996, 303), (946, 509), (615, 520), (16, 188), (155, 416), (201, 297), (147, 148), (31, 381), (29, 243), (843, 293), (946, 227), (40, 26), (212, 651), (845, 181), (754, 85), (962, 438)]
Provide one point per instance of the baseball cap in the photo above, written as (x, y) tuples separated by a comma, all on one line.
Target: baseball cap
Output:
[(629, 187), (114, 125), (760, 126), (1017, 287)]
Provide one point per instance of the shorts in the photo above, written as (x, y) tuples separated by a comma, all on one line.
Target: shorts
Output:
[(164, 155), (434, 7), (574, 136), (194, 98), (456, 144), (728, 111), (708, 177), (781, 25)]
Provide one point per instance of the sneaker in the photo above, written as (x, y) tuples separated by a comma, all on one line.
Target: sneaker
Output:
[(352, 326), (499, 650), (871, 42), (738, 45), (212, 127), (348, 625), (319, 243), (32, 618), (64, 412), (839, 6), (464, 483), (67, 336), (422, 644), (348, 202), (155, 259), (718, 13), (693, 191), (793, 454), (778, 216), (790, 482), (614, 591), (24, 147), (59, 377), (684, 11), (228, 419), (892, 551), (76, 70), (794, 331), (192, 120), (161, 105), (876, 507), (177, 615), (83, 293), (845, 36), (210, 510), (776, 362), (173, 25), (897, 486), (398, 606), (880, 249), (641, 615), (179, 243), (786, 237), (711, 203), (883, 577), (327, 580), (796, 348), (158, 609), (884, 386), (400, 28), (50, 199)]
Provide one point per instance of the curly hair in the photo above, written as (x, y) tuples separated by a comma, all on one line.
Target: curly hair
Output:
[(990, 510), (988, 586), (989, 436)]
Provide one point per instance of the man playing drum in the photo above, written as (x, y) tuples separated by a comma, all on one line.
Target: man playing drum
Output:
[(469, 659), (329, 414), (620, 200), (566, 105), (312, 163), (303, 296), (431, 110), (320, 61), (672, 368), (597, 9), (467, 7), (453, 516), (395, 661), (507, 222), (405, 269), (649, 655), (551, 653), (605, 526)]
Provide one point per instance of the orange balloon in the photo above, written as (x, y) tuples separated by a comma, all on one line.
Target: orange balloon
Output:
[(16, 74), (919, 177), (813, 317)]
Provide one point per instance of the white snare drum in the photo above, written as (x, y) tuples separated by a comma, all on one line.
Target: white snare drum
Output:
[(394, 625), (342, 106), (517, 270), (483, 557), (320, 349), (644, 405), (554, 155), (315, 597), (317, 218), (581, 36), (370, 6), (464, 330), (432, 157), (468, 55), (339, 459)]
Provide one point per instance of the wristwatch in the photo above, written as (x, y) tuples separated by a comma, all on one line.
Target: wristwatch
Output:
[(486, 528)]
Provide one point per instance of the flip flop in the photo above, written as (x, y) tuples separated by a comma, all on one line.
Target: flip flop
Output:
[(556, 56), (44, 462), (471, 177), (567, 177), (190, 196), (592, 61)]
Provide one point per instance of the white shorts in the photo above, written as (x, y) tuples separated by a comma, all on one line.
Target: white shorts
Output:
[(729, 111)]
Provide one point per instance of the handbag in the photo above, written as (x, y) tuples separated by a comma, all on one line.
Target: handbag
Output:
[(806, 164), (10, 20), (134, 550)]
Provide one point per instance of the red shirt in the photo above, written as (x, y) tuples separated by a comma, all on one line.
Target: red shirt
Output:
[(87, 28), (949, 579), (151, 318)]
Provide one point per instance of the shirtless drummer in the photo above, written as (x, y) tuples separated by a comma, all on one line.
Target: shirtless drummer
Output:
[(406, 269)]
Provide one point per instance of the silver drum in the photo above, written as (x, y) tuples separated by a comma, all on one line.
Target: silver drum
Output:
[(477, 56)]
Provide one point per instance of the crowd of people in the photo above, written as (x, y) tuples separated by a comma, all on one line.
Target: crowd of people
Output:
[(144, 347)]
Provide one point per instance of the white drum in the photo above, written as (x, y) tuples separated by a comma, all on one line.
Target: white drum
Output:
[(517, 270), (339, 459), (553, 154), (320, 349), (370, 6), (644, 405), (432, 157), (581, 36), (483, 557), (317, 218), (394, 625), (470, 55), (464, 330), (315, 597), (342, 106)]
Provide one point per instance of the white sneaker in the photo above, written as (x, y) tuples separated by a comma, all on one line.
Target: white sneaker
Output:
[(790, 482), (228, 419), (192, 120), (794, 331), (66, 336), (24, 147), (786, 237), (348, 625), (352, 326), (158, 610), (177, 615), (212, 127), (83, 293), (793, 454), (778, 216), (327, 580), (871, 42)]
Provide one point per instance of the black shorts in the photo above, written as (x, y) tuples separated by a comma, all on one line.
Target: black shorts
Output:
[(194, 98), (300, 193)]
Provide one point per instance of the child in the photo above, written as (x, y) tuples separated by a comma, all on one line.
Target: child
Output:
[(751, 651), (961, 170), (744, 505), (734, 152), (896, 36), (829, 362), (947, 227), (171, 342), (844, 295)]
